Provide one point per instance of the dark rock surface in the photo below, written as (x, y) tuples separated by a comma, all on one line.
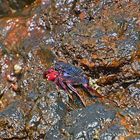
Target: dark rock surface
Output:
[(13, 7), (12, 123), (101, 38)]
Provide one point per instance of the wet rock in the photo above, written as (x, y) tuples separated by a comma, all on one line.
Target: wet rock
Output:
[(86, 123), (114, 132), (136, 67), (8, 7), (107, 79), (19, 4), (10, 33), (32, 96), (4, 9), (135, 92), (133, 114), (107, 44), (46, 115), (98, 36), (126, 48), (12, 122)]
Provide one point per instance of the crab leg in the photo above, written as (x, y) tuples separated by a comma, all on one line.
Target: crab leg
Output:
[(57, 83), (75, 91), (65, 88), (92, 91)]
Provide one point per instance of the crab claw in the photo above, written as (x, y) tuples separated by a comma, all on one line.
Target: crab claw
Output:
[(51, 74), (45, 73)]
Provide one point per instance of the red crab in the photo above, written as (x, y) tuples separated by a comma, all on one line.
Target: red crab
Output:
[(66, 76)]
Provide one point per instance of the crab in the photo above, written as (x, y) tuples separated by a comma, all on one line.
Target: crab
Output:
[(67, 76)]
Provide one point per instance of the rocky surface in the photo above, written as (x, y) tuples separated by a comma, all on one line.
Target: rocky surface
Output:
[(100, 37), (13, 7)]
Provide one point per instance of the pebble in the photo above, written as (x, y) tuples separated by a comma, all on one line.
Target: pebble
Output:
[(11, 78), (14, 87), (17, 69)]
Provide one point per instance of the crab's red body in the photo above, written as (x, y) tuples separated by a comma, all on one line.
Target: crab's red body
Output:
[(51, 74), (66, 76)]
